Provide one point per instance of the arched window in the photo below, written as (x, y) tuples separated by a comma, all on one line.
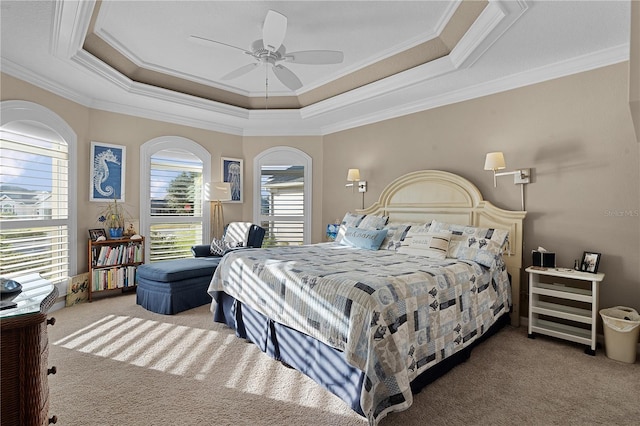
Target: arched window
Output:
[(283, 204), (173, 171), (37, 193)]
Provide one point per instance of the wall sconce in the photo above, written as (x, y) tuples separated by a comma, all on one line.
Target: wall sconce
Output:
[(217, 192), (353, 176), (495, 161)]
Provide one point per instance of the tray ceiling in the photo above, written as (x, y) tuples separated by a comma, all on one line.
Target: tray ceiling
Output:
[(400, 57)]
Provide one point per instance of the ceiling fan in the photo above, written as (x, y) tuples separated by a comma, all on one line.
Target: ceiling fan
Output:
[(270, 51)]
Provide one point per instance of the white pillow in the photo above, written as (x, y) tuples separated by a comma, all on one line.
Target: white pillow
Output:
[(396, 232), (481, 245), (373, 222), (350, 219), (433, 245)]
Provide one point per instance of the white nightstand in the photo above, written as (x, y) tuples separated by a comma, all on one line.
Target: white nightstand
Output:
[(558, 316)]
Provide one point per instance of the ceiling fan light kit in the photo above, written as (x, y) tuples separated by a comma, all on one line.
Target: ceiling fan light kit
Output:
[(270, 51)]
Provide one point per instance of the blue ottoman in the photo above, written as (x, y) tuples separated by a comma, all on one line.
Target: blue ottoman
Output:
[(177, 285), (174, 286)]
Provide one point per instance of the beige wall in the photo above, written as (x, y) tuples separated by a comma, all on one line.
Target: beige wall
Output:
[(576, 135)]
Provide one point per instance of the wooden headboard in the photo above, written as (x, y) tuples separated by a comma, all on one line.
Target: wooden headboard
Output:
[(426, 195)]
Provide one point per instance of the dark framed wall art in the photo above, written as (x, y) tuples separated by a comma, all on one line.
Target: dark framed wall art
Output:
[(107, 172), (233, 172)]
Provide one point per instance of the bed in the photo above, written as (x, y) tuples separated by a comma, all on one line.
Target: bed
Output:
[(375, 326)]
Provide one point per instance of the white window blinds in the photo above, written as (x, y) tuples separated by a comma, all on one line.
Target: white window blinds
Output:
[(34, 200), (175, 184)]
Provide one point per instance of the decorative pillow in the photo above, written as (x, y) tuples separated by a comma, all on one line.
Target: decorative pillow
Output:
[(373, 222), (433, 245), (481, 245), (415, 229), (369, 239), (237, 232), (395, 234), (350, 219), (220, 247)]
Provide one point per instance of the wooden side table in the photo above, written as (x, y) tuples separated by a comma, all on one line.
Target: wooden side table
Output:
[(549, 312)]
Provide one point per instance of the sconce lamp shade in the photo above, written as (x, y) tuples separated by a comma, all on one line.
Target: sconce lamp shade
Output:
[(494, 161), (353, 175), (219, 191)]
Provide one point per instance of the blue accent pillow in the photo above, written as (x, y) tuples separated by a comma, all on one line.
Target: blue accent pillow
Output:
[(369, 239)]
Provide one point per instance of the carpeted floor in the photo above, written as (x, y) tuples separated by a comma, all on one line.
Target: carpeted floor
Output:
[(119, 364)]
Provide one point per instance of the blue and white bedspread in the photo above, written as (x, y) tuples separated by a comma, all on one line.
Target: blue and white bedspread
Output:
[(393, 315)]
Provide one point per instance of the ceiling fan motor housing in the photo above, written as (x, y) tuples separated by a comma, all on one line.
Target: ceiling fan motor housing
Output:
[(262, 54)]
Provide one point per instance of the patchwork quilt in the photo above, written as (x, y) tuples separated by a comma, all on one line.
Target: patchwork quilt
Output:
[(393, 315)]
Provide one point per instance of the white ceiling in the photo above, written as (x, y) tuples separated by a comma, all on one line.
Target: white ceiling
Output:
[(511, 44)]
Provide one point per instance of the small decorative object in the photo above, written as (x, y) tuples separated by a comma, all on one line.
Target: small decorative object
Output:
[(543, 258), (78, 289), (332, 231), (114, 217), (9, 289), (115, 233), (96, 233), (132, 228), (136, 237), (590, 262)]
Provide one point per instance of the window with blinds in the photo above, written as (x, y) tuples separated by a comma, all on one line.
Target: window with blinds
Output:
[(34, 203), (282, 207), (176, 204)]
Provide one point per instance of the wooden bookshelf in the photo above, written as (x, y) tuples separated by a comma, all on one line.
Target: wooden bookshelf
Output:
[(113, 264)]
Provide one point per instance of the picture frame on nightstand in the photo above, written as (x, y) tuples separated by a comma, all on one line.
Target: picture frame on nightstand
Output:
[(590, 262)]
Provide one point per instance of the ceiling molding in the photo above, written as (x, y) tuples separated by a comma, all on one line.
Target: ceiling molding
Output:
[(573, 66), (71, 21), (416, 51), (404, 93), (38, 80)]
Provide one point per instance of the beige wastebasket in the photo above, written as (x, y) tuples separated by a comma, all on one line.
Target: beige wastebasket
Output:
[(621, 328)]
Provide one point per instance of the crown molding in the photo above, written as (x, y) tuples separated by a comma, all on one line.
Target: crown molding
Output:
[(569, 67), (21, 73), (71, 21)]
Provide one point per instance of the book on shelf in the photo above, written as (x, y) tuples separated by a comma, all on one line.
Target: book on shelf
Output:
[(119, 254), (113, 278)]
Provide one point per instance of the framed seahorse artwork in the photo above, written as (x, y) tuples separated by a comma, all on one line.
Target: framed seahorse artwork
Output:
[(107, 172), (232, 172)]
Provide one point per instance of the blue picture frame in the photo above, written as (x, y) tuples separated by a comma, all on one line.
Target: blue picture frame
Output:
[(106, 179), (232, 171)]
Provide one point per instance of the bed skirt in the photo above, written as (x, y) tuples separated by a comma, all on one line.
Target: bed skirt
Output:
[(320, 362)]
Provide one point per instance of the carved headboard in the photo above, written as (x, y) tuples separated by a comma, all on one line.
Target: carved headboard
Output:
[(426, 195)]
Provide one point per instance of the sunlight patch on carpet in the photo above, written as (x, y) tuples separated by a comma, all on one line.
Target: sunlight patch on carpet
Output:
[(198, 353), (169, 348)]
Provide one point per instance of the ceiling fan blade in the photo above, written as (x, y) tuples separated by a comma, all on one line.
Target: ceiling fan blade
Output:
[(239, 71), (315, 57), (207, 42), (274, 30), (287, 77)]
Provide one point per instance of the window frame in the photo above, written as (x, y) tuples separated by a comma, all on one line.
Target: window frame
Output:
[(18, 110), (147, 150), (277, 156)]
